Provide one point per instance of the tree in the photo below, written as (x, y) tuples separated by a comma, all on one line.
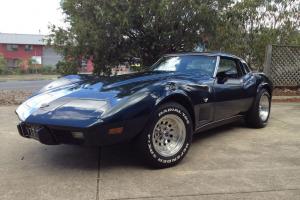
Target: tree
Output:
[(65, 68), (111, 30), (249, 26)]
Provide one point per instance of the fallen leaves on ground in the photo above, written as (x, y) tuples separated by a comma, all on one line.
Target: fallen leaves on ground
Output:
[(286, 92), (13, 97)]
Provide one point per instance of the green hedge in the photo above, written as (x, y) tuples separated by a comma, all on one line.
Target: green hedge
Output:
[(31, 70)]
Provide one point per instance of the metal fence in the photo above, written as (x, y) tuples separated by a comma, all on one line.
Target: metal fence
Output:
[(282, 65)]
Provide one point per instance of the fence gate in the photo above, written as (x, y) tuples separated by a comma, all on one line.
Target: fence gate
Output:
[(282, 65)]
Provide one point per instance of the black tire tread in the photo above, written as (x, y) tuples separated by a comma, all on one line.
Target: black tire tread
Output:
[(252, 118)]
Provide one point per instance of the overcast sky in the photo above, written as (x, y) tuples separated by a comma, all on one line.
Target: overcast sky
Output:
[(29, 16)]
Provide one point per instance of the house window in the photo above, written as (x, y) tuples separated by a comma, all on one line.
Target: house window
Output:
[(12, 47), (28, 47), (13, 62)]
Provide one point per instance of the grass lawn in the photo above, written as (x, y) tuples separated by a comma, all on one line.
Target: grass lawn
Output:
[(27, 77)]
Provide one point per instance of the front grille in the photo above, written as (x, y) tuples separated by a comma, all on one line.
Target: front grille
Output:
[(32, 131), (48, 135), (65, 137)]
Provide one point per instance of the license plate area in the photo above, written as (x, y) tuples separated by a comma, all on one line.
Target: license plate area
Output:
[(32, 131), (28, 130)]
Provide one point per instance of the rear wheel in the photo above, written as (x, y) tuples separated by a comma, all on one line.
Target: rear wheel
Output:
[(259, 113), (167, 137)]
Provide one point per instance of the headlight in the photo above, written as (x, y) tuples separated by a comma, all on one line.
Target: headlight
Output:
[(87, 104)]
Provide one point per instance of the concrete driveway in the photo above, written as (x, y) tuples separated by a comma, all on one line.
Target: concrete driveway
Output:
[(231, 162)]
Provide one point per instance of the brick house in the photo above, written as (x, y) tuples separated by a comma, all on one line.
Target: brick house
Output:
[(18, 49)]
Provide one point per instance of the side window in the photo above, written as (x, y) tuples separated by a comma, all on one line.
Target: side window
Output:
[(228, 68), (201, 64), (246, 68)]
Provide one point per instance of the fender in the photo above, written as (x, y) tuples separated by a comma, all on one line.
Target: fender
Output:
[(180, 97), (262, 85), (173, 95), (264, 82)]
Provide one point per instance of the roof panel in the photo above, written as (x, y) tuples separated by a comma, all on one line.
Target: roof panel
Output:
[(11, 38), (216, 53)]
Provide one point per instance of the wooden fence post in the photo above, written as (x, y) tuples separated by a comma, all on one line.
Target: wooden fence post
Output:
[(268, 60)]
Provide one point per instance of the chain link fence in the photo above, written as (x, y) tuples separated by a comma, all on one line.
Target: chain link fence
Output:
[(282, 65)]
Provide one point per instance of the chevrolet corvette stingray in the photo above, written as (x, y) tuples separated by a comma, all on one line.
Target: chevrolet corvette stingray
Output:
[(159, 109)]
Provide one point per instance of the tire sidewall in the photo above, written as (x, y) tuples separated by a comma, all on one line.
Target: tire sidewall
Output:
[(261, 93), (179, 111)]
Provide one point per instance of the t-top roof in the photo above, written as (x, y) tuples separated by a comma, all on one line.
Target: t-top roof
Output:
[(203, 54)]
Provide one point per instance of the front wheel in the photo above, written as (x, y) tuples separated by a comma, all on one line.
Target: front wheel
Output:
[(167, 137), (259, 113)]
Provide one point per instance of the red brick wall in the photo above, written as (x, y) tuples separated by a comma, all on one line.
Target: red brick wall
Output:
[(21, 54), (90, 65)]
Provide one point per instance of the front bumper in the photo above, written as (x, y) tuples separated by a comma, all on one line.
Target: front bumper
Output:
[(39, 133), (98, 135)]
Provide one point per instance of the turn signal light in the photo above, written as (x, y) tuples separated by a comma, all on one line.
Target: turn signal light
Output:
[(77, 135), (115, 131)]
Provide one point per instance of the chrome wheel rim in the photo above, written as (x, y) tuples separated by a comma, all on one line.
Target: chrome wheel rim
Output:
[(168, 135), (264, 107)]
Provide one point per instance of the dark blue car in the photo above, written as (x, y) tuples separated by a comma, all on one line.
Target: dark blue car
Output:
[(161, 108)]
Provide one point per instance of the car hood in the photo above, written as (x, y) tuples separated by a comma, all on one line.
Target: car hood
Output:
[(80, 100)]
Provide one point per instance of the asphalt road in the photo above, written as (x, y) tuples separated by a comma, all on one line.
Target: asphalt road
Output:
[(23, 85), (231, 162)]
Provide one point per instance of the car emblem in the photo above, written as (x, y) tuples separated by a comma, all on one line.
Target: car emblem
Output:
[(205, 100)]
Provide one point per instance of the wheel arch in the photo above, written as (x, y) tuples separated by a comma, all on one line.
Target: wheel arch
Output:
[(181, 99), (265, 86), (264, 83)]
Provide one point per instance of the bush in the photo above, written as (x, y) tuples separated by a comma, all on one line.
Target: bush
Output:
[(66, 67), (48, 69), (11, 71), (32, 70), (3, 67), (136, 68)]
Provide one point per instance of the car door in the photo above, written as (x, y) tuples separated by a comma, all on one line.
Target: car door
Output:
[(201, 83), (229, 89)]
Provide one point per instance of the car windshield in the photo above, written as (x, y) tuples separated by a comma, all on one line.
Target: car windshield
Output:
[(196, 64)]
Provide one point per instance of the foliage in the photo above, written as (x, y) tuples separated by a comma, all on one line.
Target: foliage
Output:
[(136, 68), (49, 69), (109, 30), (67, 67), (41, 70), (20, 69), (250, 25), (3, 66), (11, 71)]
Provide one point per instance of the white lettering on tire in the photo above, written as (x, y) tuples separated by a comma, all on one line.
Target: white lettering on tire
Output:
[(174, 110), (153, 153)]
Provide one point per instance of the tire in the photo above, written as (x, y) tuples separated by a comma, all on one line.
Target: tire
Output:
[(259, 113), (169, 126)]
